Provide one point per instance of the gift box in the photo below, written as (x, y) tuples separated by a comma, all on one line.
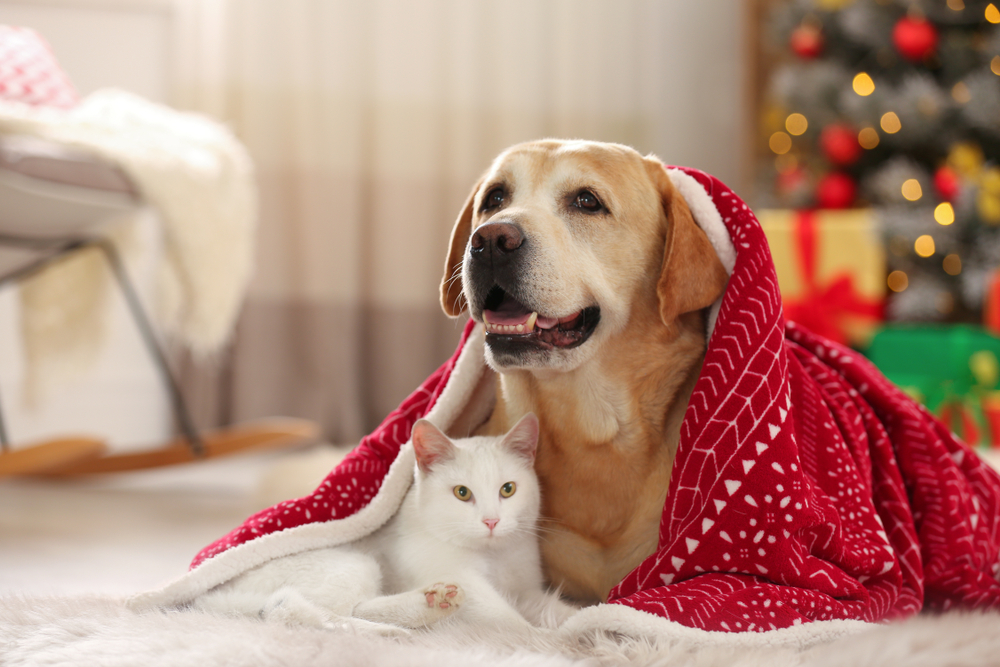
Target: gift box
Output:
[(991, 303), (953, 369), (831, 270)]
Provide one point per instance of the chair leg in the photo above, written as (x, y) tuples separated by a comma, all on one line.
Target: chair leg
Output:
[(142, 322), (56, 250), (4, 442)]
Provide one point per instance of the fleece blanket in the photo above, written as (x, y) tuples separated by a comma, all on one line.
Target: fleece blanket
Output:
[(809, 496)]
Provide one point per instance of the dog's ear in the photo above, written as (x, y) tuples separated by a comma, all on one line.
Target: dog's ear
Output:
[(452, 298), (691, 277)]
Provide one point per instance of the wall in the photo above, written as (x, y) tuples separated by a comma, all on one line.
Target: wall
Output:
[(694, 49)]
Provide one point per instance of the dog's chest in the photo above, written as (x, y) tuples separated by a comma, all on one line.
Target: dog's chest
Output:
[(601, 509)]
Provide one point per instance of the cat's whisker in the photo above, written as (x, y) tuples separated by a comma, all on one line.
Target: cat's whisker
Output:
[(438, 533)]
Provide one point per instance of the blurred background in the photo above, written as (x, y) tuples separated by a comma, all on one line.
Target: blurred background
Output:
[(369, 122), (864, 133)]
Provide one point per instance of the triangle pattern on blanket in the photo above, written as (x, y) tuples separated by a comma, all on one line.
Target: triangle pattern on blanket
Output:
[(814, 488), (356, 479), (806, 487)]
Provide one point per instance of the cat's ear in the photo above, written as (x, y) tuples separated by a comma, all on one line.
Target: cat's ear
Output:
[(523, 438), (430, 445)]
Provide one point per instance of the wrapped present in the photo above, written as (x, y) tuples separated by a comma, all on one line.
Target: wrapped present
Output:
[(831, 270), (991, 303), (953, 369)]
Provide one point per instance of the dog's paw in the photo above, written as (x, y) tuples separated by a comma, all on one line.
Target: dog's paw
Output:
[(445, 598)]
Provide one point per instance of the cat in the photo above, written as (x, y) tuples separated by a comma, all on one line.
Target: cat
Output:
[(463, 539)]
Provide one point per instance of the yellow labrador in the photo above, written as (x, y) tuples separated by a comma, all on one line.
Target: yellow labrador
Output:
[(592, 279)]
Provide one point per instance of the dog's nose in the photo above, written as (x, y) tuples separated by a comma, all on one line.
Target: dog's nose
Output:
[(503, 236)]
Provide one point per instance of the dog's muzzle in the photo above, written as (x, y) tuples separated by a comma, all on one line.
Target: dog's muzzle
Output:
[(499, 254)]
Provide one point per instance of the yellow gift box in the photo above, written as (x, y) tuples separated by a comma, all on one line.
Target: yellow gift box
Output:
[(831, 270)]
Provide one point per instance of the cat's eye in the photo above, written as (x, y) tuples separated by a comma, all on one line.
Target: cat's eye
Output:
[(508, 489), (463, 493)]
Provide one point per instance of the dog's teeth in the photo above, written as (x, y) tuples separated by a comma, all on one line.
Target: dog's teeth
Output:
[(529, 326), (520, 328)]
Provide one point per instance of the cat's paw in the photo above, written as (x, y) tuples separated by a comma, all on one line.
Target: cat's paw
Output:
[(360, 626), (290, 607), (445, 598)]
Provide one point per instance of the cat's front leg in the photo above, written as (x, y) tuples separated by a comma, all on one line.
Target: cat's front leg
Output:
[(544, 608), (413, 609), (313, 588), (486, 608)]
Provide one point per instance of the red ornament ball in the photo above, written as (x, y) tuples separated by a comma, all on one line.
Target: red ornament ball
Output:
[(836, 190), (946, 183), (840, 144), (915, 38), (806, 41)]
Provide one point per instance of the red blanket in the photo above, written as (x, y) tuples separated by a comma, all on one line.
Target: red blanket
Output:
[(806, 487)]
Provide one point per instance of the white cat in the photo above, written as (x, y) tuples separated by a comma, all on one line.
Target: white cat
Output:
[(463, 539)]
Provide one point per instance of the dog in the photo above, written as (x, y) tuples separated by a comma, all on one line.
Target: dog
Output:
[(593, 282)]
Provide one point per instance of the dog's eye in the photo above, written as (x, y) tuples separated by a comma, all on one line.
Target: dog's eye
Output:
[(494, 199), (587, 201)]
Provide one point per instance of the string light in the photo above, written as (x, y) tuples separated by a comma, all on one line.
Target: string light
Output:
[(796, 124), (897, 281), (863, 84), (911, 189), (924, 245), (992, 13), (780, 143), (956, 5), (995, 65), (944, 214), (945, 303), (952, 264), (868, 138), (960, 93), (890, 122)]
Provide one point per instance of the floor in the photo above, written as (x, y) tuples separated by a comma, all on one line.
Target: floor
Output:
[(127, 533)]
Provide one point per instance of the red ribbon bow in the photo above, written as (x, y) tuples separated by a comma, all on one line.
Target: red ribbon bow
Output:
[(823, 309)]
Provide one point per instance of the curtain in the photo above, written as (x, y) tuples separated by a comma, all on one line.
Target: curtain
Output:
[(369, 122)]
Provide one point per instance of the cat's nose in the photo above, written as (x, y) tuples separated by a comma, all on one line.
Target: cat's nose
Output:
[(491, 524)]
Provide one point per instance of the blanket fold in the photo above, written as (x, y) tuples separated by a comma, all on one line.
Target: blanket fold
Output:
[(807, 490)]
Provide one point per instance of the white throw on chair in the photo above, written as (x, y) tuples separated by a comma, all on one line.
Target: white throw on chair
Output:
[(66, 171)]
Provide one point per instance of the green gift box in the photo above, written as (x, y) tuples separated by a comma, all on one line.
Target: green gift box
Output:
[(953, 369)]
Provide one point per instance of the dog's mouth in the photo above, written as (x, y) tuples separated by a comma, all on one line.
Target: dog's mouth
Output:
[(509, 320)]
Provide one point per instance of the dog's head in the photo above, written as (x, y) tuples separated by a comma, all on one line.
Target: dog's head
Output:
[(562, 243)]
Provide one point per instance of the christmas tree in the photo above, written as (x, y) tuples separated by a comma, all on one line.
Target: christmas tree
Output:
[(893, 105)]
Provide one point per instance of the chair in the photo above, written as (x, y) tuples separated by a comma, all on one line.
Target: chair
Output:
[(56, 200)]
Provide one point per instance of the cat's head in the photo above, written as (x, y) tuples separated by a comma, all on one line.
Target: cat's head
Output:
[(478, 491)]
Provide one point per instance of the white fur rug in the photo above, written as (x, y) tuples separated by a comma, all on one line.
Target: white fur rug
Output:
[(101, 632)]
